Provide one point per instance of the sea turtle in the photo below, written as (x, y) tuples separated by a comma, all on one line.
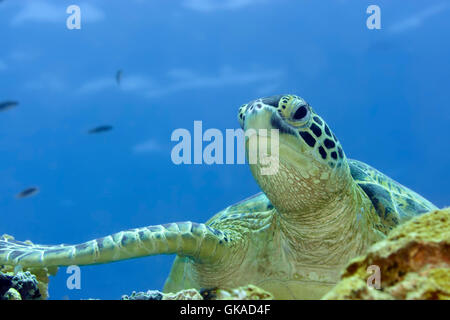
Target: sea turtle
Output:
[(317, 210)]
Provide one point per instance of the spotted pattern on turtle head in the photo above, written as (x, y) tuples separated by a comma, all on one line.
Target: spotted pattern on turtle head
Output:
[(299, 118)]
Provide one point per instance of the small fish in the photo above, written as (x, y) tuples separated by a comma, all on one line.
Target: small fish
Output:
[(27, 193), (100, 129), (119, 74), (5, 105)]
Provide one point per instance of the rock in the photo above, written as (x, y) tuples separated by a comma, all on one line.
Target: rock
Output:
[(32, 279), (149, 295), (188, 294), (12, 294), (249, 292), (41, 274), (19, 286), (413, 262)]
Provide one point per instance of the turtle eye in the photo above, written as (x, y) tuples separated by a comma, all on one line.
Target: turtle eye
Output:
[(301, 113)]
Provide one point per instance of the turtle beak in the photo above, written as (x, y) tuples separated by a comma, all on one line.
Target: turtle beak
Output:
[(257, 116), (254, 108)]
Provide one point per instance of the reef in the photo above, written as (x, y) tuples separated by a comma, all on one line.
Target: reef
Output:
[(248, 292), (412, 263), (19, 286), (24, 284)]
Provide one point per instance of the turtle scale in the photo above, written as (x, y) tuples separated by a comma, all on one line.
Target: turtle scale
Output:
[(393, 202)]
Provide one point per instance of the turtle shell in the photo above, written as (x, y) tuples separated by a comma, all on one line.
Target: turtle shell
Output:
[(393, 202)]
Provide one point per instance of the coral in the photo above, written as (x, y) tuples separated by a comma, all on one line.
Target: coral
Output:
[(12, 294), (413, 263), (39, 274), (149, 295), (20, 286), (189, 294), (249, 292)]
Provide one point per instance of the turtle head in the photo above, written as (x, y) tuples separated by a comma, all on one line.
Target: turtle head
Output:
[(312, 167)]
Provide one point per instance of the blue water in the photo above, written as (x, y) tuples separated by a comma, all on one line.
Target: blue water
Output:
[(385, 93)]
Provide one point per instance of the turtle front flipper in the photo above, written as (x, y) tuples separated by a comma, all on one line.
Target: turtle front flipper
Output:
[(198, 241)]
